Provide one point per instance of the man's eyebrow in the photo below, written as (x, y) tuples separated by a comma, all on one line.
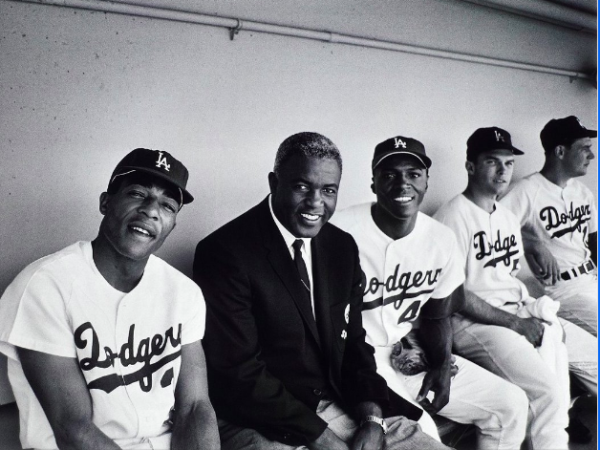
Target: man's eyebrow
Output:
[(167, 190)]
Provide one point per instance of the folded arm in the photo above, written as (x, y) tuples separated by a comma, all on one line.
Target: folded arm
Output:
[(542, 263), (480, 311), (62, 392)]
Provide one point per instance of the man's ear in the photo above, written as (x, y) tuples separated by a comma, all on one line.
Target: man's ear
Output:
[(273, 182), (559, 151), (373, 185), (470, 166), (104, 198)]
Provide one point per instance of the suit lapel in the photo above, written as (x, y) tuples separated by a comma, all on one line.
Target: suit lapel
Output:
[(281, 261)]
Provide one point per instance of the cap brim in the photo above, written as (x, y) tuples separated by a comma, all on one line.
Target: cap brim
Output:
[(424, 160), (186, 196)]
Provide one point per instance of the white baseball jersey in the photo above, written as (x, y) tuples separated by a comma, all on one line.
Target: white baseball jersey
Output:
[(489, 246), (400, 275), (127, 345), (562, 218)]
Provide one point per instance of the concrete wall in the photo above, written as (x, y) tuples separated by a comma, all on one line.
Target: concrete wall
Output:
[(80, 89)]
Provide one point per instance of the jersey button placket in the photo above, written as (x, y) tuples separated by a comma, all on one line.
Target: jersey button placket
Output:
[(121, 337), (567, 203)]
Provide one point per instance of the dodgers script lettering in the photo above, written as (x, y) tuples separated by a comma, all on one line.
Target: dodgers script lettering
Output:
[(553, 219), (500, 246), (129, 354)]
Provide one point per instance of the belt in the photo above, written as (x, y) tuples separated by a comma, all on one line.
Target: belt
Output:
[(586, 267)]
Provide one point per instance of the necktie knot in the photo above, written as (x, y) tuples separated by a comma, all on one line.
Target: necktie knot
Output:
[(298, 245)]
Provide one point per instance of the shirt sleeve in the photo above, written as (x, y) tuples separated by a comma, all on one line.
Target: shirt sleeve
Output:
[(448, 216), (519, 201), (195, 317), (34, 316), (453, 273)]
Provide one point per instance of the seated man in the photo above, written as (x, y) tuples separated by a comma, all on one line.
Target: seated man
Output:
[(559, 213), (288, 364), (499, 313), (413, 272), (103, 337)]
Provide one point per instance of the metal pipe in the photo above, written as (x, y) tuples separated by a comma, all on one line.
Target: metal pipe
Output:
[(545, 11), (132, 9)]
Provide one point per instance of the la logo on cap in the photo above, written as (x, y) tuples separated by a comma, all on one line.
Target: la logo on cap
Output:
[(399, 143), (499, 137), (162, 162)]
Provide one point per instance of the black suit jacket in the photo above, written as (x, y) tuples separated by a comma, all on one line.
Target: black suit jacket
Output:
[(267, 357)]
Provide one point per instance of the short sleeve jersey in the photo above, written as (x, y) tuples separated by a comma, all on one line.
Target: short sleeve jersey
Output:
[(561, 218), (490, 246), (401, 275), (127, 345)]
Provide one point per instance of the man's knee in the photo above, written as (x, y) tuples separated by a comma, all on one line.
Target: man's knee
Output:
[(515, 406)]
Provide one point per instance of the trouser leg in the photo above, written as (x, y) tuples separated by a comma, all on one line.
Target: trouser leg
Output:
[(512, 357), (497, 408), (403, 434), (578, 301), (582, 350)]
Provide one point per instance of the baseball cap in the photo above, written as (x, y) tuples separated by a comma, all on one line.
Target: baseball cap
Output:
[(490, 138), (561, 131), (400, 145), (158, 163)]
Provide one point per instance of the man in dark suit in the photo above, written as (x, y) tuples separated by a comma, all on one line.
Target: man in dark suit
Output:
[(288, 363)]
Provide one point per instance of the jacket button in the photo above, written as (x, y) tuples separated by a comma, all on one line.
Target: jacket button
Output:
[(286, 437), (317, 392)]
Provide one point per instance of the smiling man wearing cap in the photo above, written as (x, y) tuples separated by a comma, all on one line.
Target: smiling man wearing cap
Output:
[(103, 337), (559, 213), (412, 271)]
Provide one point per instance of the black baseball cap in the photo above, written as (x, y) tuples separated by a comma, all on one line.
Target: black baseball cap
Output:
[(490, 138), (400, 145), (158, 163), (564, 131)]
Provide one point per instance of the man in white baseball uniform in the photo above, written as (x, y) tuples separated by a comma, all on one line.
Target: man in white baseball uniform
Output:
[(413, 271), (559, 212), (501, 327), (103, 337)]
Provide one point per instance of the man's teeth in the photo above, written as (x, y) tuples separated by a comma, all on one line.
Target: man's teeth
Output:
[(140, 230), (312, 217), (403, 199)]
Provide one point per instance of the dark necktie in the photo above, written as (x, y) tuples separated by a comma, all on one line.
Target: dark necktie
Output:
[(301, 266)]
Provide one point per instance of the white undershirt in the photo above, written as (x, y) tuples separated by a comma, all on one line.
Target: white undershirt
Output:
[(289, 239)]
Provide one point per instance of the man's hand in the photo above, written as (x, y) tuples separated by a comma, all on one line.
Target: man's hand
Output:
[(542, 264), (368, 437), (328, 441), (438, 381), (532, 328)]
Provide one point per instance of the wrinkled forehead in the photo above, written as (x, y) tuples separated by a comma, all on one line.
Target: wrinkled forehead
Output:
[(149, 181)]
